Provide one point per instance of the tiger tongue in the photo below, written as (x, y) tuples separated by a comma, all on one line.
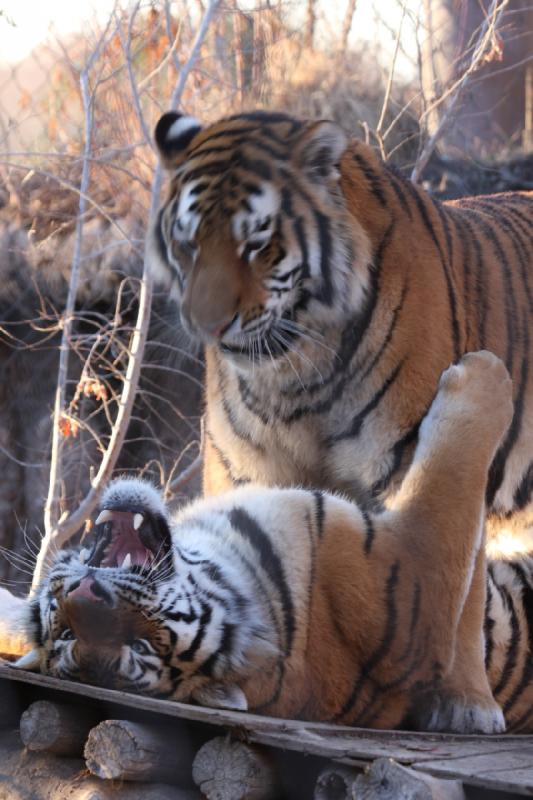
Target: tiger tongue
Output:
[(126, 541)]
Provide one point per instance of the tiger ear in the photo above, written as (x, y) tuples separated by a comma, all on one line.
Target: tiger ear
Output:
[(222, 695), (173, 134), (320, 149)]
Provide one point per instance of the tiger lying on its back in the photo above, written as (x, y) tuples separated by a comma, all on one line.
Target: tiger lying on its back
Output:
[(330, 294), (297, 603)]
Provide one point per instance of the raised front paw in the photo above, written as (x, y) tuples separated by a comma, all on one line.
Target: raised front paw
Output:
[(457, 713), (473, 402)]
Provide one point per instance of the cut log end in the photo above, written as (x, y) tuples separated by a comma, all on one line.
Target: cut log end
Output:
[(231, 770), (130, 751), (56, 728)]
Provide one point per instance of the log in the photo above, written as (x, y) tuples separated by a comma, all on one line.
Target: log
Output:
[(40, 776), (131, 751), (230, 770), (56, 728), (336, 782), (96, 789), (384, 779)]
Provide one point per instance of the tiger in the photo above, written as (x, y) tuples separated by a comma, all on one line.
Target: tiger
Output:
[(329, 293), (298, 603)]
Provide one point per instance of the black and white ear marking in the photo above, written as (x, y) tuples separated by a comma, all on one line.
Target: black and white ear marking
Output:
[(173, 133), (321, 149)]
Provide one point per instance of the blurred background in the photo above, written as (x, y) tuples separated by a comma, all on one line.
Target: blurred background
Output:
[(442, 88)]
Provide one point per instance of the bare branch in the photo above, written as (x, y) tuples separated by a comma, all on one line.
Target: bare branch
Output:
[(454, 93), (57, 534)]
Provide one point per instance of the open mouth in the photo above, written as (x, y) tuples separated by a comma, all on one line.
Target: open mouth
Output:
[(126, 539)]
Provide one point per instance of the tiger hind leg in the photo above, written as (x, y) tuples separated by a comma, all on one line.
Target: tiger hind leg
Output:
[(464, 703), (471, 409)]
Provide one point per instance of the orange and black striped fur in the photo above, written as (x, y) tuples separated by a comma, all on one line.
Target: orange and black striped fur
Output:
[(297, 603), (330, 293)]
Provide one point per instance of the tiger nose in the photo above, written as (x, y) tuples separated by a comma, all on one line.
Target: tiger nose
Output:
[(88, 589), (214, 330)]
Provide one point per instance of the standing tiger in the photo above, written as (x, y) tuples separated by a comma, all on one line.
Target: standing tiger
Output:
[(296, 603), (330, 293)]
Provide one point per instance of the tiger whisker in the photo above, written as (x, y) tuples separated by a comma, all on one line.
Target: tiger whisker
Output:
[(299, 354), (277, 335), (306, 333)]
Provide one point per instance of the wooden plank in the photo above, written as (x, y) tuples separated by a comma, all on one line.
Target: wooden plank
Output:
[(496, 762)]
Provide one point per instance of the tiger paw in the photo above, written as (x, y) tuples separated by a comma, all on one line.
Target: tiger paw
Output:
[(473, 402), (455, 713)]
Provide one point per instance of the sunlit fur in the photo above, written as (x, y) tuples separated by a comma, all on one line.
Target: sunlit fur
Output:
[(330, 293), (299, 604)]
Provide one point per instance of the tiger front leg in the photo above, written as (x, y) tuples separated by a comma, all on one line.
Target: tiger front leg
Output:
[(441, 509)]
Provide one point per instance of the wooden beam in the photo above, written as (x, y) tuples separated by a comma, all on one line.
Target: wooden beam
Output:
[(503, 763)]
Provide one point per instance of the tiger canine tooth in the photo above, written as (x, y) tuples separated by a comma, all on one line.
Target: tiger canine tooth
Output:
[(84, 555), (126, 564), (138, 520), (103, 516)]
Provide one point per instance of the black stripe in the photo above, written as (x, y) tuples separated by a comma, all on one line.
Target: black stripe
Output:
[(372, 178), (444, 216), (398, 451), (324, 237), (370, 531), (481, 304), (522, 246), (383, 649), (523, 492), (488, 624), (359, 418), (196, 643), (508, 296), (35, 624), (250, 530), (397, 181), (226, 644), (415, 616), (319, 512), (302, 243), (159, 238), (464, 259), (512, 647), (229, 411), (527, 607), (401, 681), (226, 463), (423, 211), (497, 468), (366, 369)]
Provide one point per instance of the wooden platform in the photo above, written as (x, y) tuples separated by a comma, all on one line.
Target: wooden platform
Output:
[(502, 763)]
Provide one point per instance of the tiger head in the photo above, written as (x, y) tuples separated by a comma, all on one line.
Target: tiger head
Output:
[(255, 239), (135, 612)]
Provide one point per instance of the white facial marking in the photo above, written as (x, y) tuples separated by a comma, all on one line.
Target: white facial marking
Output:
[(181, 126), (84, 555), (186, 221), (264, 205)]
